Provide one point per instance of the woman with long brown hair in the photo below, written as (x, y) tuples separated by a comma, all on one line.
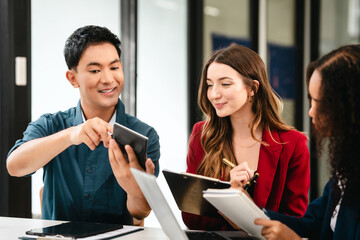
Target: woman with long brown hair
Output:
[(243, 125)]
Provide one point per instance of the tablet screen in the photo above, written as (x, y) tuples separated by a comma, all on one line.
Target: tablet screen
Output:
[(75, 229), (137, 141)]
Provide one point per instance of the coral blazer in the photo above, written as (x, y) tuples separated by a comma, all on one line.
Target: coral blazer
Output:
[(284, 176)]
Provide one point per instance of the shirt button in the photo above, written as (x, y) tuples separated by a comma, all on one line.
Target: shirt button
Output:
[(87, 195), (89, 170)]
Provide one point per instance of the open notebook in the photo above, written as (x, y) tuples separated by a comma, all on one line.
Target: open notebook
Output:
[(165, 216), (238, 207)]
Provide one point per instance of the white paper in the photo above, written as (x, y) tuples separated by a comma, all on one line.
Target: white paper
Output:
[(238, 207), (125, 229)]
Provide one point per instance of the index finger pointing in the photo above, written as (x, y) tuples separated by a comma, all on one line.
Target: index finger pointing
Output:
[(110, 128)]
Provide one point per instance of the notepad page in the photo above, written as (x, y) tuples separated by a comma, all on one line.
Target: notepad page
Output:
[(238, 207)]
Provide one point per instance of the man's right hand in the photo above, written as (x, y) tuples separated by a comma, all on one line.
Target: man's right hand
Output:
[(92, 132), (34, 154)]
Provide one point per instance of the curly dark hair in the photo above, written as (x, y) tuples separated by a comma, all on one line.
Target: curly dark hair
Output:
[(76, 44), (339, 110)]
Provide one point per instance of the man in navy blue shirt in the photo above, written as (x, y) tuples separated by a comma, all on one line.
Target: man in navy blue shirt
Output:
[(86, 177)]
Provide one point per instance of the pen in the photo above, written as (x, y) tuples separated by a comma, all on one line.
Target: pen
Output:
[(248, 183), (227, 162), (251, 181)]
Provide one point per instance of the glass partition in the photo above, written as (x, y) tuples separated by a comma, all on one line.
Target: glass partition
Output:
[(225, 22), (339, 24), (162, 84), (282, 54)]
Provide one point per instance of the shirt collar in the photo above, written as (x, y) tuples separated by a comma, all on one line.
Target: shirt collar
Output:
[(119, 114), (112, 120)]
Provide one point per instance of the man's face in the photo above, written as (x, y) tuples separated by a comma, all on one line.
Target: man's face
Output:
[(99, 77)]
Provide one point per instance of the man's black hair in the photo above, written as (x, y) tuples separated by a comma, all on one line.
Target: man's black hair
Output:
[(82, 38)]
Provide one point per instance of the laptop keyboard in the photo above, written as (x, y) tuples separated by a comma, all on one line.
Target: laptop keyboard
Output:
[(204, 235)]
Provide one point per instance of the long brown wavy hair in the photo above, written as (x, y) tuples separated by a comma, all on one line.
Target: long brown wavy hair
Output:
[(338, 115), (216, 135)]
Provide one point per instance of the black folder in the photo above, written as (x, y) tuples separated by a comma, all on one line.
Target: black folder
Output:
[(75, 229), (188, 188)]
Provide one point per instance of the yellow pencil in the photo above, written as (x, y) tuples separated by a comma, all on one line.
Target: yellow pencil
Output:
[(227, 162)]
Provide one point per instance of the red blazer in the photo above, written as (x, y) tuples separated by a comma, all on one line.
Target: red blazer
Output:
[(284, 176)]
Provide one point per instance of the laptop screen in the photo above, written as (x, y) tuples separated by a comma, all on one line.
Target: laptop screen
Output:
[(159, 205)]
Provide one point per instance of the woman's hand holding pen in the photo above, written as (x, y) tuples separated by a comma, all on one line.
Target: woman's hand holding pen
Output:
[(240, 175)]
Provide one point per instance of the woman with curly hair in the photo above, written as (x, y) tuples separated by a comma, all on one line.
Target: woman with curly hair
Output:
[(334, 88), (243, 125)]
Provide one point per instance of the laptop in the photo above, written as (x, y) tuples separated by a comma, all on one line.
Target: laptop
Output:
[(166, 218)]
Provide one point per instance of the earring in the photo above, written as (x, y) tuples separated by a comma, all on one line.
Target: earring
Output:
[(250, 99)]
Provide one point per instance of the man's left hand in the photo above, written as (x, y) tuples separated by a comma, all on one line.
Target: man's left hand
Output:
[(137, 204)]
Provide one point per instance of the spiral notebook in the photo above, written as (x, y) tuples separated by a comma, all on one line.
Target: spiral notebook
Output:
[(238, 207)]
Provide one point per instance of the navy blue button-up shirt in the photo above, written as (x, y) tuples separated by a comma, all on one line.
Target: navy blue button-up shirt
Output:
[(79, 184)]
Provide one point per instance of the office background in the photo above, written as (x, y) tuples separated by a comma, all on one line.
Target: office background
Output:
[(164, 44)]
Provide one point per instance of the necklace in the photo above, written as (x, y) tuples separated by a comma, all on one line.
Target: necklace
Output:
[(250, 146)]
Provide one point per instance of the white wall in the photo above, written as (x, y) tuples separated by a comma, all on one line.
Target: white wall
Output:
[(51, 23), (161, 86)]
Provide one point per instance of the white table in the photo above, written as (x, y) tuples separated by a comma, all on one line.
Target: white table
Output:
[(12, 228)]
